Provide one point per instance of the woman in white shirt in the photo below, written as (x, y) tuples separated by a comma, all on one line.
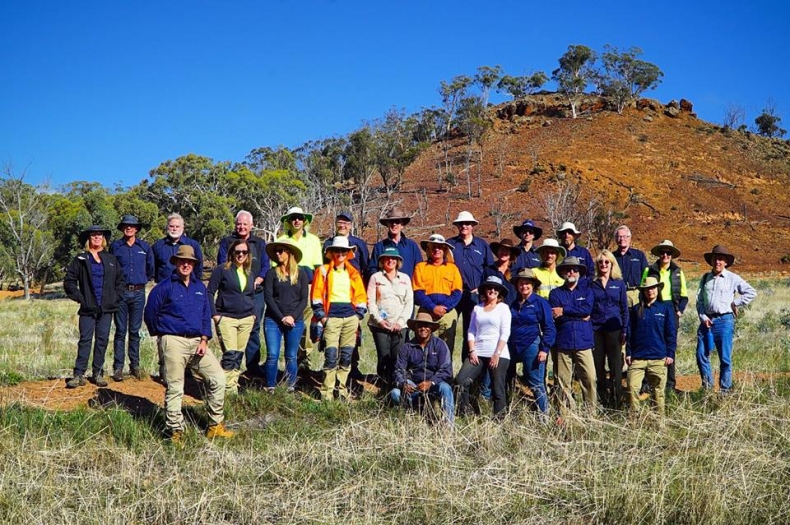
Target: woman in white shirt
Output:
[(391, 304), (489, 331)]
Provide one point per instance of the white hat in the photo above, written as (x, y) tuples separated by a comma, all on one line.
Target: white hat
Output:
[(466, 216), (436, 239), (340, 243), (296, 210), (552, 243), (568, 226)]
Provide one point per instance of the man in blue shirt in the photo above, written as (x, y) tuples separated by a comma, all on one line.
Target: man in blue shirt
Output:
[(258, 267), (165, 248), (343, 223), (568, 235), (472, 255), (632, 262), (137, 264), (528, 257), (178, 313), (394, 220)]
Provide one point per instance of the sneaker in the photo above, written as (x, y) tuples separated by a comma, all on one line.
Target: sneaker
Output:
[(219, 431), (99, 381), (117, 376), (76, 381)]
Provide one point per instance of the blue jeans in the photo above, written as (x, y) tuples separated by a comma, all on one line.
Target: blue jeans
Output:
[(441, 390), (90, 325), (534, 371), (253, 350), (274, 333), (719, 335), (128, 318)]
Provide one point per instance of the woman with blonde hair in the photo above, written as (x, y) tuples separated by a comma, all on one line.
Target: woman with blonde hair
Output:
[(233, 310), (609, 321), (286, 290)]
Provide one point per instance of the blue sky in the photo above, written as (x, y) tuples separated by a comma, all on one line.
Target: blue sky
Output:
[(107, 90)]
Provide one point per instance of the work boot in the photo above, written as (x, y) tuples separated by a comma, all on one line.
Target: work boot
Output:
[(177, 438), (219, 431), (117, 376), (137, 373), (98, 380), (76, 381)]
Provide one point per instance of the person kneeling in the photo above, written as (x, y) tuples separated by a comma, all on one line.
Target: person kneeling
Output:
[(651, 343), (423, 368)]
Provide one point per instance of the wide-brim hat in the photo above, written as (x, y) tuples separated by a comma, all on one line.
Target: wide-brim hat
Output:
[(395, 214), (568, 226), (435, 239), (129, 220), (390, 251), (526, 273), (570, 262), (83, 238), (185, 251), (492, 281), (294, 249), (651, 282), (720, 250), (528, 225), (296, 210), (340, 243), (466, 216), (665, 245), (515, 251), (554, 244), (422, 318)]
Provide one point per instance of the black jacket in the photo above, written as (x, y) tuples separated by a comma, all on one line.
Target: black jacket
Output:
[(78, 286), (231, 301)]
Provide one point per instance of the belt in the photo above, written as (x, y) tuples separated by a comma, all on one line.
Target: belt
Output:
[(186, 336), (714, 316), (135, 287)]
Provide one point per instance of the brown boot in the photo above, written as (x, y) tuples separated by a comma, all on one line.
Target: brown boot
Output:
[(219, 431), (177, 438)]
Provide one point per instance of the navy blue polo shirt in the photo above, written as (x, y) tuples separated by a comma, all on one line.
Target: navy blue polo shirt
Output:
[(137, 260)]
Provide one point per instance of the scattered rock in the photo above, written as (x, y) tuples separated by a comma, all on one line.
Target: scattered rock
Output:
[(672, 111), (648, 118), (648, 104), (548, 123), (673, 104), (686, 106)]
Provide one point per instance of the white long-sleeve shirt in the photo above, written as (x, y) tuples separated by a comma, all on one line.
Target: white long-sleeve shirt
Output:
[(486, 329)]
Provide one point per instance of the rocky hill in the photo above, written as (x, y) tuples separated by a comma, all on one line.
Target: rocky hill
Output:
[(655, 167)]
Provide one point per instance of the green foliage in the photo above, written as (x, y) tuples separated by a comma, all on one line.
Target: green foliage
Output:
[(574, 73), (519, 87), (768, 123), (485, 79), (625, 77), (452, 93)]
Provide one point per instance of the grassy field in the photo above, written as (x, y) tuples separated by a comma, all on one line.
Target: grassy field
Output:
[(716, 460)]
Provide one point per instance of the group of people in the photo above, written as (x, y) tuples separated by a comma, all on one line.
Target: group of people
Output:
[(517, 304)]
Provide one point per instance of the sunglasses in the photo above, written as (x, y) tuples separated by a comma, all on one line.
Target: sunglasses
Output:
[(604, 262), (571, 270), (664, 253), (241, 252), (393, 222), (280, 250), (296, 218), (465, 223)]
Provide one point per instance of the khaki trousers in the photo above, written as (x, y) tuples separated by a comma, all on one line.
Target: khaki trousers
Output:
[(179, 352), (583, 362), (308, 352), (235, 332), (656, 372)]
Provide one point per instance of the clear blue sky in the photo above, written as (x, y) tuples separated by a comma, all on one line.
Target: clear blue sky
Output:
[(105, 90)]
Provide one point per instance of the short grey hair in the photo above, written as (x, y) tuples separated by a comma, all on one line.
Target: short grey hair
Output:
[(245, 213), (622, 227), (175, 216)]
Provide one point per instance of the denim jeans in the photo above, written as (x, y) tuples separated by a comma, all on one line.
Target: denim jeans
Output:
[(90, 325), (275, 333), (441, 390), (128, 319), (253, 350), (718, 335), (534, 372)]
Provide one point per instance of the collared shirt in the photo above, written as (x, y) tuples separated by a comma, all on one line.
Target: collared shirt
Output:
[(419, 364), (585, 257), (165, 248), (392, 300), (632, 263), (526, 259), (361, 258), (437, 285), (651, 331), (717, 294), (259, 261), (97, 278), (549, 280), (408, 249), (610, 308), (312, 257), (574, 328), (668, 292), (137, 260), (176, 309), (529, 320), (471, 259)]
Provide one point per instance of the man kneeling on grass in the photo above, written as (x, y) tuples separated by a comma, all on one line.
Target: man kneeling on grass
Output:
[(651, 343), (179, 314), (423, 367)]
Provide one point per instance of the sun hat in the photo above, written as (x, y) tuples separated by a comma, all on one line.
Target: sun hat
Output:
[(568, 226), (296, 210), (515, 251), (393, 252), (435, 239), (651, 282), (528, 225), (340, 243), (665, 245), (423, 318), (569, 262), (466, 216), (395, 214), (129, 220), (185, 251), (552, 243), (720, 250), (83, 238), (285, 243), (526, 273), (492, 281)]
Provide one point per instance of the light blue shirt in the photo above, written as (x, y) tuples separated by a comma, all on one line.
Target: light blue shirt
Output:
[(716, 294)]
